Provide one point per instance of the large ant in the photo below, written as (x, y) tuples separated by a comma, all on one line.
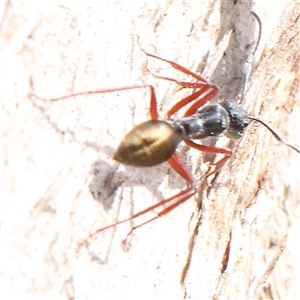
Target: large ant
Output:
[(155, 141)]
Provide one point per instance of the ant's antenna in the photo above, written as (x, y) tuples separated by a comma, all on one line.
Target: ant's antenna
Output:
[(277, 137), (247, 72), (250, 58)]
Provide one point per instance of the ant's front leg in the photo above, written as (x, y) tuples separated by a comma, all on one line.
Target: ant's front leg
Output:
[(203, 88)]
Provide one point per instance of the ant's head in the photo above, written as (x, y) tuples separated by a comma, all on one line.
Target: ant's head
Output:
[(238, 119)]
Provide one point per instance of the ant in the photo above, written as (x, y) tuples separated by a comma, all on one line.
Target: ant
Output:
[(155, 141)]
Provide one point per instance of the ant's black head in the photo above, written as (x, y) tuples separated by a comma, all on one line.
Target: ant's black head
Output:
[(238, 119)]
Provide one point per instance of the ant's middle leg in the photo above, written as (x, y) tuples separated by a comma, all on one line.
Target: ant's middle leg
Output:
[(153, 101)]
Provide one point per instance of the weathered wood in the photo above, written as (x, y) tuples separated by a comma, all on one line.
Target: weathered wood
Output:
[(56, 153)]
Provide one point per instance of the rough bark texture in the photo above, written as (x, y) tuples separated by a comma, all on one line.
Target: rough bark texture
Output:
[(57, 156)]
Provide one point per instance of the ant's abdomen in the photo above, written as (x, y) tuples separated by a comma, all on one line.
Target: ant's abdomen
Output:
[(148, 144)]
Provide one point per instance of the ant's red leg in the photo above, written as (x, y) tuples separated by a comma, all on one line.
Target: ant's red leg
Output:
[(202, 84), (176, 163), (193, 97), (186, 194), (178, 166), (183, 84), (202, 101), (209, 149), (153, 102), (178, 67), (218, 165), (182, 198)]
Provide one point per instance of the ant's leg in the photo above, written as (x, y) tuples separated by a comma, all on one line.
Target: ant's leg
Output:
[(178, 67), (153, 102), (176, 163), (203, 88), (183, 84), (186, 194), (178, 166), (192, 97), (218, 165), (183, 196), (203, 85), (180, 198), (209, 149)]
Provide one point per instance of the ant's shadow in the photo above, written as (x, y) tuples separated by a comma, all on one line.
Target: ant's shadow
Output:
[(107, 179)]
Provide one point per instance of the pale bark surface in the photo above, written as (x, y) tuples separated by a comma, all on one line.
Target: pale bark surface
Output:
[(57, 157)]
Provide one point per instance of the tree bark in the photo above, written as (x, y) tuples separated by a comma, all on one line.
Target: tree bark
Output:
[(61, 183)]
